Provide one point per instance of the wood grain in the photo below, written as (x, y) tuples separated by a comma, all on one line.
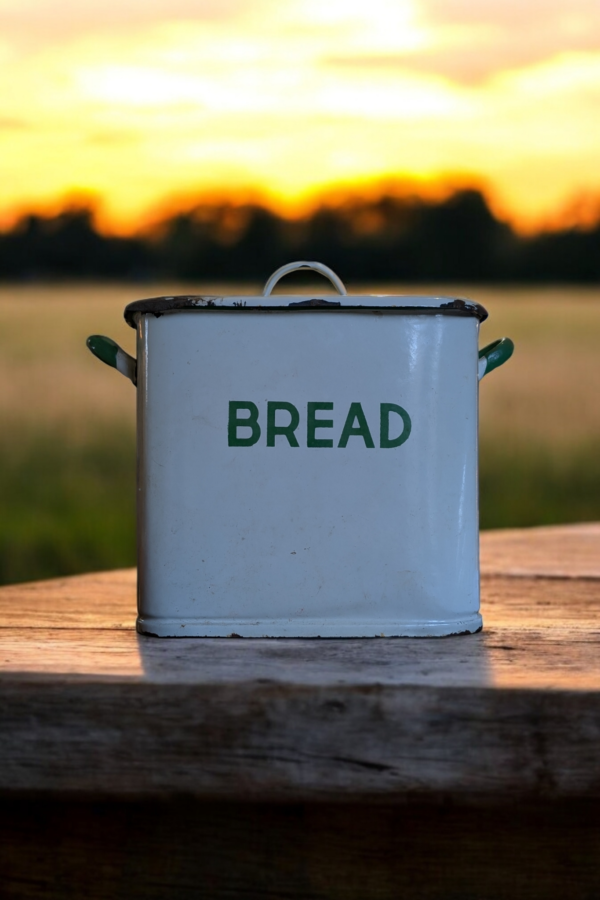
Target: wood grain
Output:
[(431, 769), (292, 742), (557, 551), (539, 634), (87, 707), (101, 600)]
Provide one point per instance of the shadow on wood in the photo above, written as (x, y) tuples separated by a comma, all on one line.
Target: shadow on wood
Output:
[(185, 849)]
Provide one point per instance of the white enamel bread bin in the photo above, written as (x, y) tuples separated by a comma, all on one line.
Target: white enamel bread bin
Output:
[(307, 467)]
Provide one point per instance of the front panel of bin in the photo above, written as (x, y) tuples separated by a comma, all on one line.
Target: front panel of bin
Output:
[(307, 474)]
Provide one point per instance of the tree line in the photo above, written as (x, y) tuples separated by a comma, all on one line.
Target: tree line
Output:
[(389, 238)]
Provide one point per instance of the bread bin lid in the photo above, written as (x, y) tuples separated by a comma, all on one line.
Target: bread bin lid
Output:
[(300, 303)]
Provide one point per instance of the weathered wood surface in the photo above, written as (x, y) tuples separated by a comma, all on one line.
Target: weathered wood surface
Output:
[(88, 708), (557, 551)]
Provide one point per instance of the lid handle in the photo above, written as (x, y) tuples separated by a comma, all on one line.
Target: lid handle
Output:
[(315, 266)]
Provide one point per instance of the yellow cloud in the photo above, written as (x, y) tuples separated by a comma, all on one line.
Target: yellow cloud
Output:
[(290, 96)]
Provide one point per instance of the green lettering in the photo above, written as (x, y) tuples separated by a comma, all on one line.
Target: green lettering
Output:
[(251, 421), (360, 430), (384, 433), (286, 430), (312, 423)]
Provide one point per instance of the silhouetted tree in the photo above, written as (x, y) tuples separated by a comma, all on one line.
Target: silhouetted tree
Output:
[(68, 246), (386, 238)]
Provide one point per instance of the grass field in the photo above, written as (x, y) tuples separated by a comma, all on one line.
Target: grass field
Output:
[(67, 442)]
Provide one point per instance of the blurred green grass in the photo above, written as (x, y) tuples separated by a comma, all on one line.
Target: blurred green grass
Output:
[(538, 486), (67, 436), (67, 506)]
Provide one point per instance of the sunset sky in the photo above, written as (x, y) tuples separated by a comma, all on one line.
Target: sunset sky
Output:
[(142, 101)]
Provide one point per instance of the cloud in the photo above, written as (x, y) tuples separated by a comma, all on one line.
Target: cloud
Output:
[(12, 123), (470, 44), (45, 22), (138, 99), (474, 42), (114, 138), (505, 13)]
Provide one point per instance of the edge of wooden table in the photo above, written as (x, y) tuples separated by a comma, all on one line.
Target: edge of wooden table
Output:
[(89, 708)]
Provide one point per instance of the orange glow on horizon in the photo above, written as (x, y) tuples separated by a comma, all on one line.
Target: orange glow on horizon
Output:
[(582, 211), (138, 108)]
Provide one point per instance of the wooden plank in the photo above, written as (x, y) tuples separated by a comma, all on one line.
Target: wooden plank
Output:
[(98, 600), (293, 742), (170, 851), (558, 551), (538, 633), (89, 707), (514, 709), (559, 657)]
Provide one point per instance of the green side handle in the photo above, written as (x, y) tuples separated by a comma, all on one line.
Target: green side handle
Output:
[(494, 355), (110, 353)]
